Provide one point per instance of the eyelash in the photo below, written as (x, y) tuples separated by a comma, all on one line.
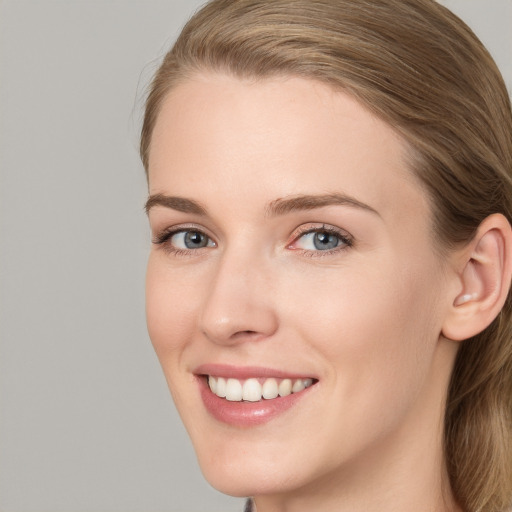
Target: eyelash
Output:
[(163, 238), (346, 241)]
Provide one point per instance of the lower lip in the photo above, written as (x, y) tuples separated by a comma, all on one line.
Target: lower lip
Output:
[(247, 414)]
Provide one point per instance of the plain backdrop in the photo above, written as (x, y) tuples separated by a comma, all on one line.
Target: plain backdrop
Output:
[(86, 420)]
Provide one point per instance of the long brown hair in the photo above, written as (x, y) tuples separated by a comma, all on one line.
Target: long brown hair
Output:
[(422, 70)]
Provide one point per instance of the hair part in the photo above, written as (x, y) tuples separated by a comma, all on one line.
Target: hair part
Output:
[(423, 71)]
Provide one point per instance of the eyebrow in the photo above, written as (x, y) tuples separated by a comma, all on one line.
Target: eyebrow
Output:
[(278, 207), (286, 205), (181, 204)]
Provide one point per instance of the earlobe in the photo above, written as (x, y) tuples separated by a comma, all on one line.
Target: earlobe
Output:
[(485, 280)]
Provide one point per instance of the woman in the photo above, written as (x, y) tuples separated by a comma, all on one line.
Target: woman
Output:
[(328, 291)]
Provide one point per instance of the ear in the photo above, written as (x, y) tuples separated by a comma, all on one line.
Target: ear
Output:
[(485, 273)]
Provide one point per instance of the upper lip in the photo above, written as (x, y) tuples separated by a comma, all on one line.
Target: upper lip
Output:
[(247, 372)]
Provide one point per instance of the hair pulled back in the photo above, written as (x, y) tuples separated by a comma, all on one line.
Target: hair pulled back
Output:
[(423, 71)]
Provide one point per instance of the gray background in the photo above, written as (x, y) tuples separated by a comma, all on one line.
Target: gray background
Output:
[(86, 421)]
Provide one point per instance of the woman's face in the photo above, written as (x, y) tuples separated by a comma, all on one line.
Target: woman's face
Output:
[(292, 247)]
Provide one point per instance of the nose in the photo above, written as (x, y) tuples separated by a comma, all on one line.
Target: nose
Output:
[(239, 303)]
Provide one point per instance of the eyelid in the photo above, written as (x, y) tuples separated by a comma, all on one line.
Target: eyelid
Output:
[(162, 237), (347, 240)]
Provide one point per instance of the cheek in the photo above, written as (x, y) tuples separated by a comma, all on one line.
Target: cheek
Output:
[(169, 307), (171, 302), (375, 324)]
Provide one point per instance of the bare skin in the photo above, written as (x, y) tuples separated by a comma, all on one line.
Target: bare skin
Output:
[(362, 312)]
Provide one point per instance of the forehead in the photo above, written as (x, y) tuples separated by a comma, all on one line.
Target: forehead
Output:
[(276, 137)]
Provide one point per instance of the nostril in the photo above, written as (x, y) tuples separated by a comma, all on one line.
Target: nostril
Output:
[(240, 335)]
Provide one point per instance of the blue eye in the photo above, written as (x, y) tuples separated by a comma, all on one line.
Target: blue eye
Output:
[(181, 241), (321, 239), (190, 239)]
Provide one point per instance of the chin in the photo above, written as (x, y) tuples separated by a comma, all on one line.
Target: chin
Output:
[(248, 466), (248, 449), (244, 479)]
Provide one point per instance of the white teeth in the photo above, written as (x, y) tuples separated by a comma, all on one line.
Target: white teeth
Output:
[(270, 389), (212, 382), (221, 387), (298, 385), (285, 387), (252, 391), (233, 390)]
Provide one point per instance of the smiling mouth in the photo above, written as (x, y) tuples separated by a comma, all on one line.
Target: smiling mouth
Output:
[(256, 389)]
